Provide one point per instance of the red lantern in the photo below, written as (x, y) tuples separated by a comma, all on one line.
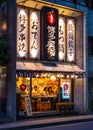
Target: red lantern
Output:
[(22, 87), (51, 17)]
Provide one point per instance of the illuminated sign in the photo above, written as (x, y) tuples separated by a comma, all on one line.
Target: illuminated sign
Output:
[(22, 32), (49, 34), (70, 39), (61, 42), (34, 48), (65, 90)]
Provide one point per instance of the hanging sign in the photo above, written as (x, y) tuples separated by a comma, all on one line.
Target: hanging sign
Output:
[(49, 34), (71, 40), (61, 39), (34, 48), (22, 32)]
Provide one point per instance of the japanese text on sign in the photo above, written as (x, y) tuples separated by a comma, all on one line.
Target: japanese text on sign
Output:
[(34, 49), (71, 40), (22, 29), (51, 41), (61, 44)]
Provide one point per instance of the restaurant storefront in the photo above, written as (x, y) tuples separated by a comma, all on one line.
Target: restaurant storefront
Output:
[(40, 90), (49, 67)]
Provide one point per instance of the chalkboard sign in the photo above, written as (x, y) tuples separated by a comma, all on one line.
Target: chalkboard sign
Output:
[(28, 106)]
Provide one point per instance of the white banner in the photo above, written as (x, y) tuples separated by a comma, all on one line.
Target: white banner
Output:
[(61, 43), (71, 40), (34, 48), (22, 32)]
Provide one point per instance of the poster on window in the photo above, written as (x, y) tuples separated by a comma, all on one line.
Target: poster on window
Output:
[(34, 48), (71, 39), (65, 90)]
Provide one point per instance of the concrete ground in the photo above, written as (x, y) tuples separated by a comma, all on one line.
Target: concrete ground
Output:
[(44, 121)]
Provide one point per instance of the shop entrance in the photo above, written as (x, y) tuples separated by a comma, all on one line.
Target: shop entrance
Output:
[(37, 95)]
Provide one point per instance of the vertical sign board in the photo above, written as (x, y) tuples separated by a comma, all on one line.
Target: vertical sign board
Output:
[(34, 48), (61, 39), (28, 106), (49, 34), (71, 39), (22, 32)]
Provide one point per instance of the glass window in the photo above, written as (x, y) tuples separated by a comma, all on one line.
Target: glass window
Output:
[(90, 3), (90, 46)]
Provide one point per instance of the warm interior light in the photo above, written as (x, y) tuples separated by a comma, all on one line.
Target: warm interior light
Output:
[(68, 76), (4, 26), (72, 76), (53, 77)]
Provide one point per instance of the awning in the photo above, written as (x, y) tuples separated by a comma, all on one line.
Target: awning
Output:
[(48, 67), (38, 4)]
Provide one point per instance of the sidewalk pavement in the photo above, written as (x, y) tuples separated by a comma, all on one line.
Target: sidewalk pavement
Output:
[(43, 122)]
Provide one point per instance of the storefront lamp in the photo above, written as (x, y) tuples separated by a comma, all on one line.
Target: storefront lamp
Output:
[(72, 76), (4, 26), (53, 77), (76, 76), (68, 76)]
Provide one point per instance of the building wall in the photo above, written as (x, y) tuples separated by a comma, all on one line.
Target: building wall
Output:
[(79, 95), (90, 23), (80, 85), (79, 42), (11, 68), (90, 62), (90, 33)]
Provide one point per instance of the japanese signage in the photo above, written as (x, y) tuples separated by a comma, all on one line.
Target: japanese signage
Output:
[(52, 45), (34, 48), (22, 32), (61, 43), (28, 106), (49, 34), (70, 39)]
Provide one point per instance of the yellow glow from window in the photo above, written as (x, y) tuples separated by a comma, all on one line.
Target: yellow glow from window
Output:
[(53, 77)]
